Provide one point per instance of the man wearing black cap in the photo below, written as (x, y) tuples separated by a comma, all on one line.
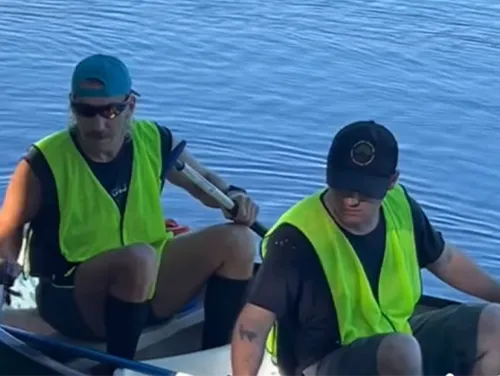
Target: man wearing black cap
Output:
[(340, 280)]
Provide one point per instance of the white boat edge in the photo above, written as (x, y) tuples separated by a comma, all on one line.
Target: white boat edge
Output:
[(215, 361)]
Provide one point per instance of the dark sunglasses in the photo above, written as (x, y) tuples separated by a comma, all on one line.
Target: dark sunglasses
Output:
[(108, 111), (347, 194)]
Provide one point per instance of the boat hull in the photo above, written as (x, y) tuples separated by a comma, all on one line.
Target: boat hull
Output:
[(174, 346)]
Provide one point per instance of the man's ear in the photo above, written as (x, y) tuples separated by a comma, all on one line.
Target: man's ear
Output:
[(129, 111), (131, 104), (394, 179)]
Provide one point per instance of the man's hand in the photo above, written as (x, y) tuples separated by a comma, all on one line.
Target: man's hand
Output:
[(247, 209), (9, 271)]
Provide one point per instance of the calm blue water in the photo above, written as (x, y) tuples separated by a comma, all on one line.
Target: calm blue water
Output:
[(258, 88)]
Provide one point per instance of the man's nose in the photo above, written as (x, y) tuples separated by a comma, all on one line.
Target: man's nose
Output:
[(352, 200), (98, 123)]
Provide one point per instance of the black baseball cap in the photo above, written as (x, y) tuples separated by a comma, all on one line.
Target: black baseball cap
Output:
[(362, 158)]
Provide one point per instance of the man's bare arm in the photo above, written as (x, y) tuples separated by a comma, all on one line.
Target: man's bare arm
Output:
[(177, 178), (21, 203), (459, 271), (249, 338)]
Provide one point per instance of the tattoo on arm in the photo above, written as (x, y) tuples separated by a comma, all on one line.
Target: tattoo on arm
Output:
[(247, 334)]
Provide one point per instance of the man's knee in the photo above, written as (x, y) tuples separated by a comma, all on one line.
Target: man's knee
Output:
[(237, 243), (140, 260), (399, 354), (237, 250), (138, 263), (488, 332)]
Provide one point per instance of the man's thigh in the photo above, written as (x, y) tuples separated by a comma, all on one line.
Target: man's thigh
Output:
[(448, 338), (187, 262), (58, 307), (358, 358)]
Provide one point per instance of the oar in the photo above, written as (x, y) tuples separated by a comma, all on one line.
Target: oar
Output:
[(44, 362), (216, 193), (82, 352)]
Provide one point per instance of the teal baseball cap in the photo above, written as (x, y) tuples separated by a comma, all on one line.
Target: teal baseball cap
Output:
[(108, 70)]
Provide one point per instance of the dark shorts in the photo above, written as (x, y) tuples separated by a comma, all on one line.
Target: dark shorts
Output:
[(58, 307), (447, 339)]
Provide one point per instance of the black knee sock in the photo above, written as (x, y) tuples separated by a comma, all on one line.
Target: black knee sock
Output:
[(124, 324), (224, 298)]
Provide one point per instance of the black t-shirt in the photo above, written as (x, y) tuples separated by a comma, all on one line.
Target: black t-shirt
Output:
[(114, 176), (291, 283)]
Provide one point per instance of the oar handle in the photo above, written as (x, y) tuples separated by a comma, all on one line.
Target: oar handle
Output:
[(216, 193)]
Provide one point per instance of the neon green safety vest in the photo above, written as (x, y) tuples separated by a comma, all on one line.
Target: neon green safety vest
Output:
[(90, 222), (359, 315)]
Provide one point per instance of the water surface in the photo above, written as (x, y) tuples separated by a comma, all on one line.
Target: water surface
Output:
[(259, 88)]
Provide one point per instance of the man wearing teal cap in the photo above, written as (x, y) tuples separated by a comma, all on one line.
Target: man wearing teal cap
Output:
[(110, 71), (91, 194)]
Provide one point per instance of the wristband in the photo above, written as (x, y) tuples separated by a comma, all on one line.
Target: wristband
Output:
[(234, 188)]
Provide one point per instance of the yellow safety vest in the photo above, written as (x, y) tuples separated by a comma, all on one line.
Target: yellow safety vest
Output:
[(359, 315), (90, 221)]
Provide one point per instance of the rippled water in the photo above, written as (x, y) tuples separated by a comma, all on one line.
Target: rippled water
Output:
[(259, 88)]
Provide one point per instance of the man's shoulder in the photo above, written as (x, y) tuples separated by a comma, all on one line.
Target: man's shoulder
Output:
[(289, 242), (287, 231), (164, 132), (33, 156), (152, 123), (55, 141), (429, 241), (414, 204)]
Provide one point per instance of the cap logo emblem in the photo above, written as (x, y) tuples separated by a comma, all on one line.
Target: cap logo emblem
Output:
[(363, 153)]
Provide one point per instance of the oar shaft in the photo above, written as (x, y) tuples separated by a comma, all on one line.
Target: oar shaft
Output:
[(49, 343), (205, 185), (215, 192)]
